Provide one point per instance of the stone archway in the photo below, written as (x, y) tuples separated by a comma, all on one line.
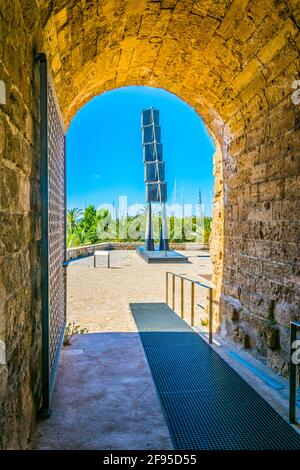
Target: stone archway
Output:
[(237, 63)]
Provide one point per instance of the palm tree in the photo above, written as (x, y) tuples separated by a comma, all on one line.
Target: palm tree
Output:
[(73, 217)]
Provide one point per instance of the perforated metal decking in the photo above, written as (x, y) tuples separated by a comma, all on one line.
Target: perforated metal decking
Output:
[(207, 405)]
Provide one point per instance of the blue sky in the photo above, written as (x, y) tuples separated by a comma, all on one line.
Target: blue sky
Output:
[(104, 151)]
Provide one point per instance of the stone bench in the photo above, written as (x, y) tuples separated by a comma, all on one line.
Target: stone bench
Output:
[(101, 255)]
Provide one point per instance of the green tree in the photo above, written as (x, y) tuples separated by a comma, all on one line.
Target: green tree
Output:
[(89, 218)]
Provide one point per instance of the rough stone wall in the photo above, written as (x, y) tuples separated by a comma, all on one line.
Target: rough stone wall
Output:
[(235, 62), (20, 332)]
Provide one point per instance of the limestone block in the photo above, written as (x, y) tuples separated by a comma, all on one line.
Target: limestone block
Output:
[(61, 18), (101, 258)]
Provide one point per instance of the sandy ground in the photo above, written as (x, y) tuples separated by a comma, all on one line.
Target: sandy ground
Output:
[(99, 298)]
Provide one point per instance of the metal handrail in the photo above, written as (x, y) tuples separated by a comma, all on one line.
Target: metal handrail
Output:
[(295, 325), (193, 283)]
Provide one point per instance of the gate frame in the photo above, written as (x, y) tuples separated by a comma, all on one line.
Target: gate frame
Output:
[(48, 376)]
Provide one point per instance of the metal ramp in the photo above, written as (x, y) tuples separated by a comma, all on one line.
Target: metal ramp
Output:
[(207, 405)]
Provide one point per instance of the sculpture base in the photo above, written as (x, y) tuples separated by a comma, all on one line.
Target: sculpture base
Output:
[(157, 256)]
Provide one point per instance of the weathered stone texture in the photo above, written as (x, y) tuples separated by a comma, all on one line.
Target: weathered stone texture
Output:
[(235, 62), (19, 240)]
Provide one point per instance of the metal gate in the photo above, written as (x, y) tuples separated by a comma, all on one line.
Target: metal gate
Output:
[(53, 215)]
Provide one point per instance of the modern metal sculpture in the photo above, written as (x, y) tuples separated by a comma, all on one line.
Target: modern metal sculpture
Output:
[(156, 186)]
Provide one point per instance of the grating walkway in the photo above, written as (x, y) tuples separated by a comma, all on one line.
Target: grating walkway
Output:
[(207, 405)]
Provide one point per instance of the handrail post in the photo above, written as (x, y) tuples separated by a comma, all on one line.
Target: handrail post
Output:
[(293, 347), (182, 298), (210, 320), (173, 292), (167, 288), (192, 304)]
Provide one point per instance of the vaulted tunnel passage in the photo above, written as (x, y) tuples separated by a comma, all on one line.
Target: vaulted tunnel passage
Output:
[(237, 63)]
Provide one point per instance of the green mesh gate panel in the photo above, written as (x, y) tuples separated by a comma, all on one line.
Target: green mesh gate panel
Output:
[(207, 405), (53, 230)]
